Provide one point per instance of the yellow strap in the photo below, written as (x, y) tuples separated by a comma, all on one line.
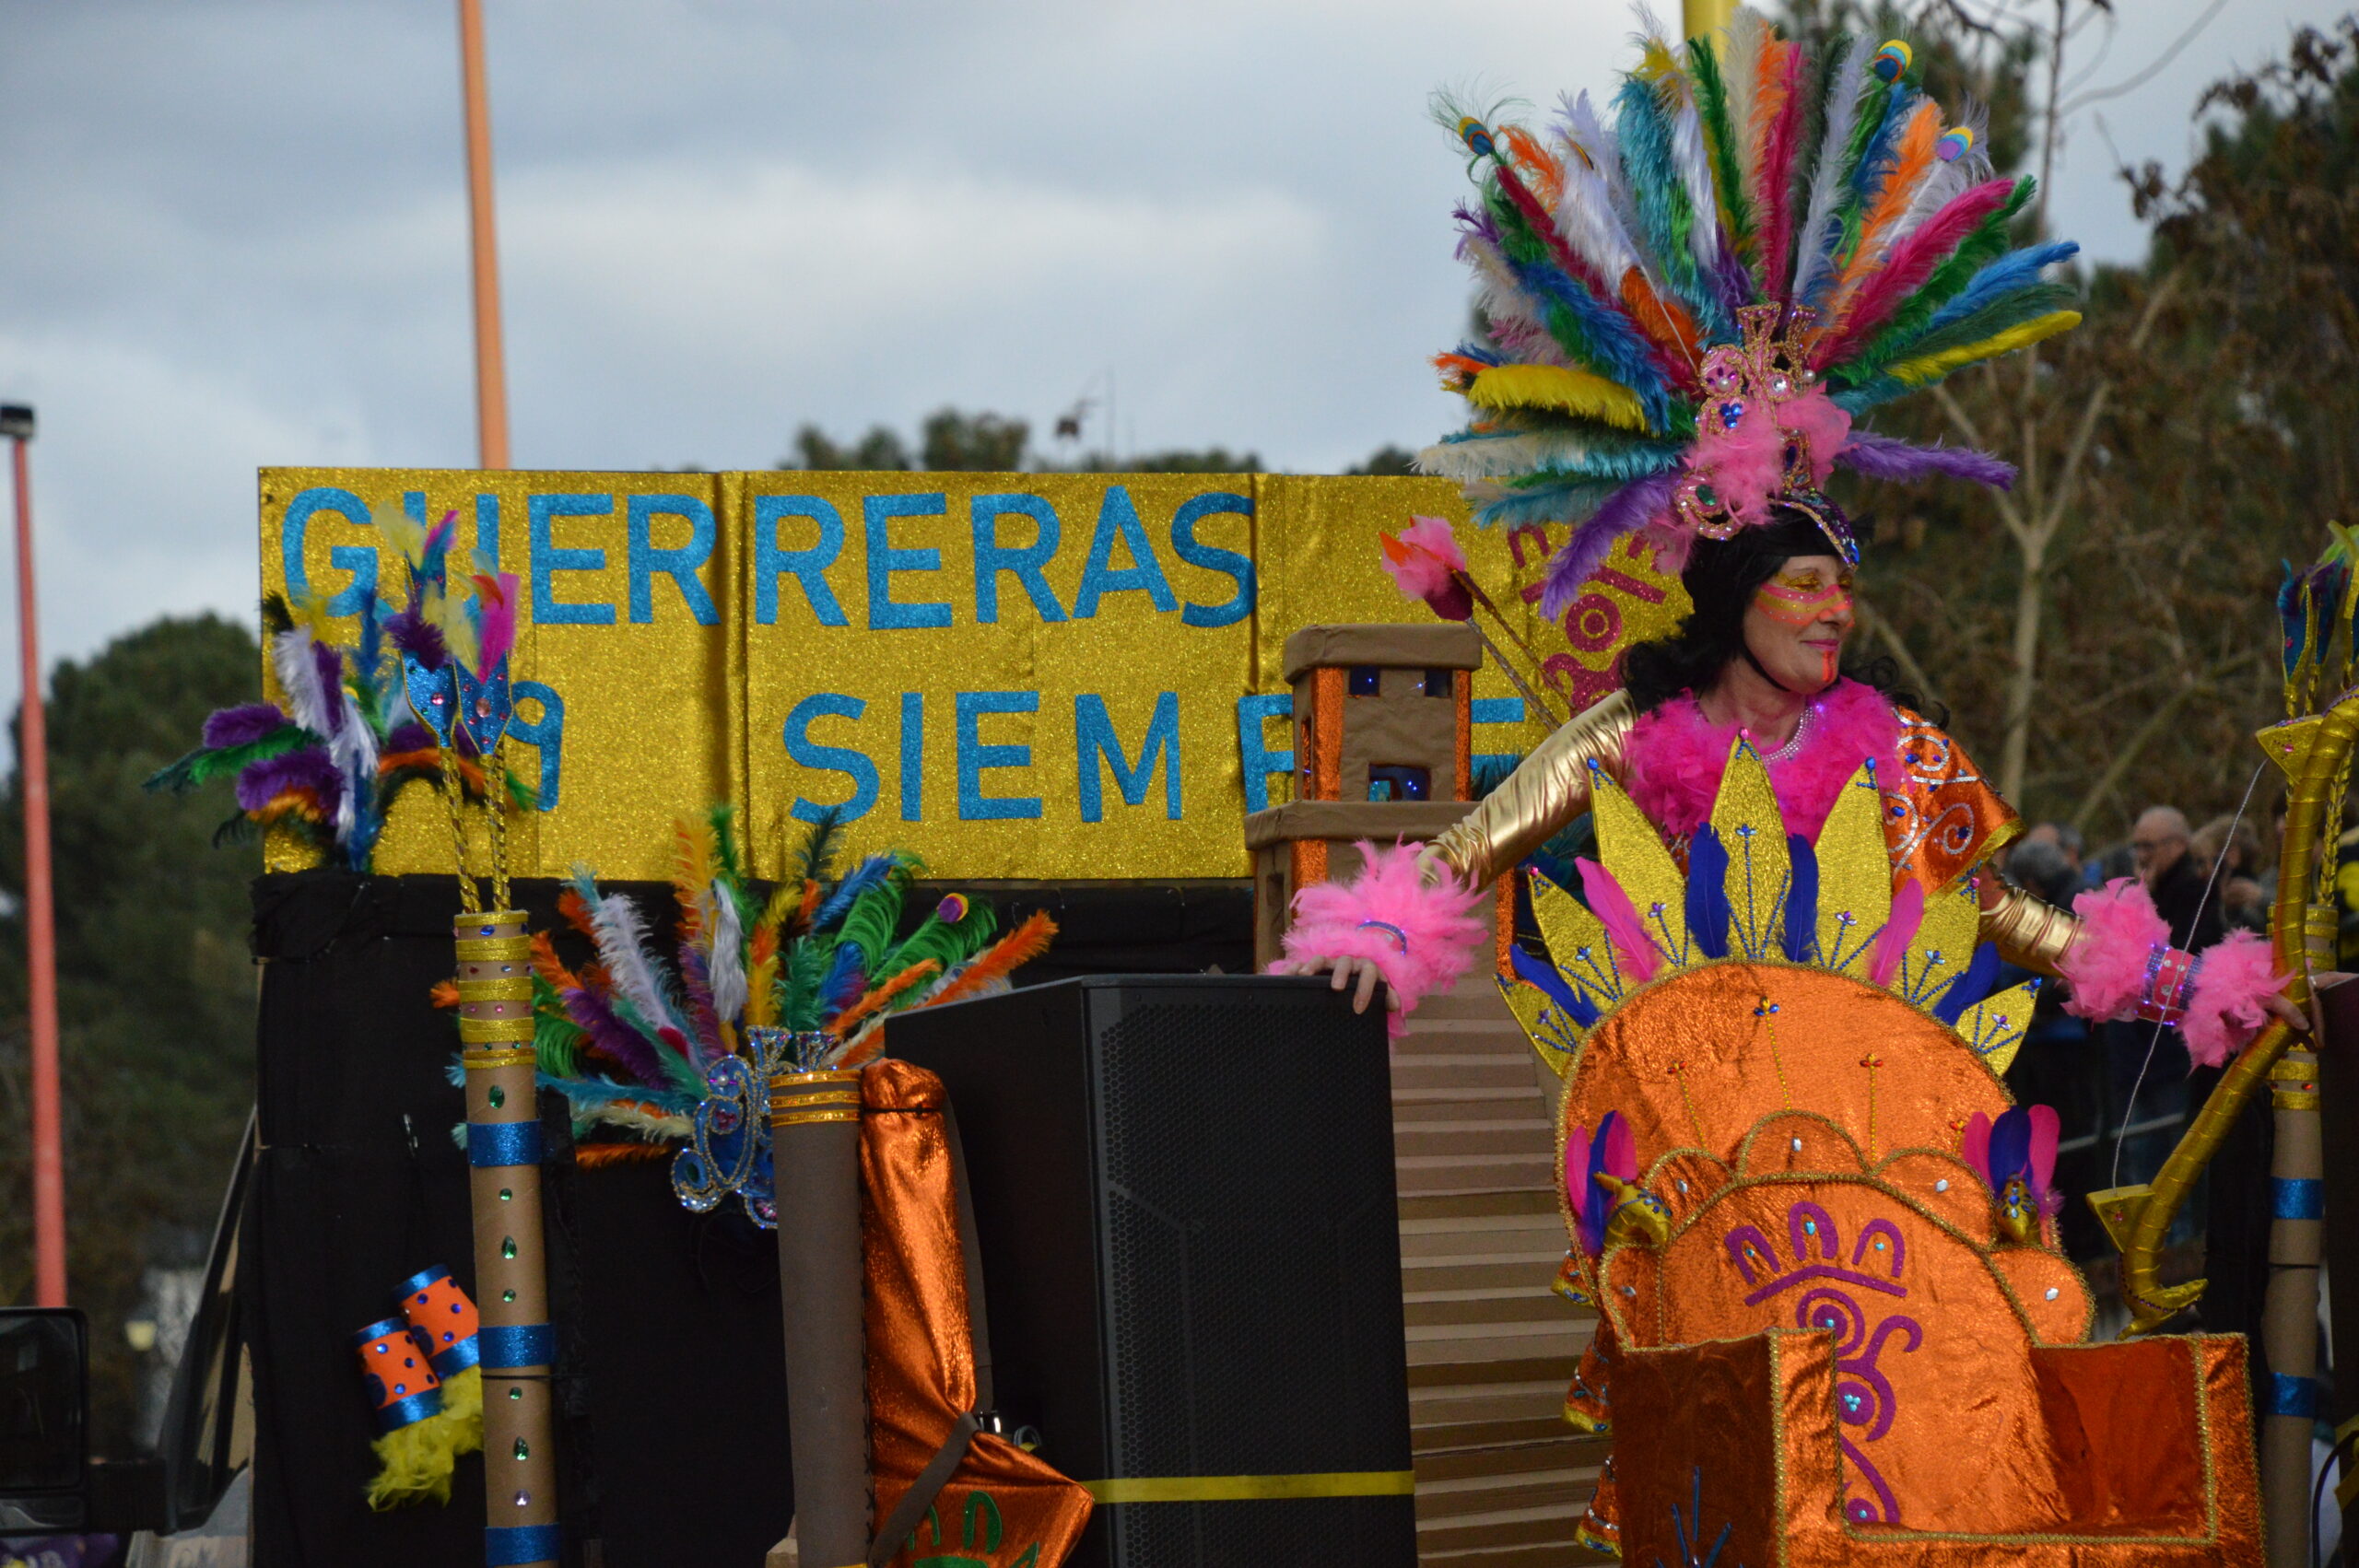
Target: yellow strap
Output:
[(484, 1061), (512, 949), (804, 1118), (1230, 1489), (496, 1031)]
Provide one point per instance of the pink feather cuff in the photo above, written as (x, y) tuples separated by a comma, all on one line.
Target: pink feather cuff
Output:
[(2107, 965), (2233, 979), (2123, 966), (1422, 939)]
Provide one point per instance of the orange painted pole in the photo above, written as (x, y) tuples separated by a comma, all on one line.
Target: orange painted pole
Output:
[(41, 915), (491, 371)]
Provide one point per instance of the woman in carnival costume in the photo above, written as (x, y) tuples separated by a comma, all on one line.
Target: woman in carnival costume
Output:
[(1690, 297)]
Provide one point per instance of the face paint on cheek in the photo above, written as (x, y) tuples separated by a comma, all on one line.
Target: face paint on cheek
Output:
[(1826, 666)]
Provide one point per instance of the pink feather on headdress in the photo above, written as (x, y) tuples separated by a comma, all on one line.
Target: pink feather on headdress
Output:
[(497, 633), (1774, 196), (1976, 1150), (1612, 905), (1911, 263)]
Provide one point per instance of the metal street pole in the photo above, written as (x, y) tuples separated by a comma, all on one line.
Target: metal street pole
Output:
[(1699, 18), (41, 917), (491, 372)]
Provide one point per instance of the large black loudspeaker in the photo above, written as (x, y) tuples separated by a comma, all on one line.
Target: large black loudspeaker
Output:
[(1190, 1252)]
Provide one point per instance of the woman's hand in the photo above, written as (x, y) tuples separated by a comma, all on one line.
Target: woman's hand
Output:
[(1363, 970)]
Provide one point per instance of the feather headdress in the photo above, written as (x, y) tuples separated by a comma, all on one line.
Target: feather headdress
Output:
[(1688, 300)]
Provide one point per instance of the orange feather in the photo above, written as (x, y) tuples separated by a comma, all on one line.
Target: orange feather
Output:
[(882, 995), (1542, 171), (593, 1156), (1661, 320), (445, 993), (1020, 946), (692, 852), (810, 906), (546, 965), (576, 910), (1914, 161)]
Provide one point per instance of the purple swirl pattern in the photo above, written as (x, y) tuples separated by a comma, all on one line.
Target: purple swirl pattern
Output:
[(1865, 1404)]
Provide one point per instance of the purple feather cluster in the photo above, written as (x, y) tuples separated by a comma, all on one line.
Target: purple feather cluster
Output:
[(419, 637), (1888, 457), (308, 768), (1624, 512), (242, 725)]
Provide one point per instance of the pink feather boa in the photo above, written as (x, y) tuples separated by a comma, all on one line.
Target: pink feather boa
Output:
[(1439, 929), (1675, 755), (2107, 969)]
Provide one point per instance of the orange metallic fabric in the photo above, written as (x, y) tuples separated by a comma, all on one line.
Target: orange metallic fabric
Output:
[(1742, 1435), (1001, 1508), (1941, 817)]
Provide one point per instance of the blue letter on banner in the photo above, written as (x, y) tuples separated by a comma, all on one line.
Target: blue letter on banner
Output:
[(1193, 510), (805, 752), (545, 734), (1258, 759), (357, 560), (877, 513), (807, 565), (548, 560), (1024, 562), (680, 564), (913, 757), (1094, 738), (974, 756), (1100, 577)]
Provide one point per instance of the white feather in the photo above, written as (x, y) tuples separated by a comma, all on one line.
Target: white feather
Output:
[(1826, 176), (1503, 456), (725, 964), (622, 947), (1741, 69), (351, 745), (1696, 175)]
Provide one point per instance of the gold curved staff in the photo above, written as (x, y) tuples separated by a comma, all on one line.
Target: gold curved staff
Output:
[(2312, 752), (2315, 753)]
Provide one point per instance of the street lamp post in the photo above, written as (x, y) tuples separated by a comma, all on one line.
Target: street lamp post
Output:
[(40, 918)]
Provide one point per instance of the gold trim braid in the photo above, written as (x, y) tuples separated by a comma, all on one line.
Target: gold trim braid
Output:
[(1546, 790)]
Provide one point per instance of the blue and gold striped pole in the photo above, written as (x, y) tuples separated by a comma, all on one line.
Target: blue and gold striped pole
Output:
[(512, 1272)]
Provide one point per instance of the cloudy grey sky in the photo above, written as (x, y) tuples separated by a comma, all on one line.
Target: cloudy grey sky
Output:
[(232, 232)]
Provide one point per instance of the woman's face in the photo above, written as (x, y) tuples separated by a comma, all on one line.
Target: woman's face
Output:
[(1797, 620)]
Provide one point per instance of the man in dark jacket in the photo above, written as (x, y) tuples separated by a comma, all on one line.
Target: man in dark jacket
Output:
[(2158, 849)]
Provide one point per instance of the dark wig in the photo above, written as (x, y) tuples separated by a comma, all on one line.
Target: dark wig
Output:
[(1721, 578)]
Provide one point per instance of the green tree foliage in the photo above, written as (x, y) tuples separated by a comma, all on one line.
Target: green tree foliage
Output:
[(156, 990), (2207, 399)]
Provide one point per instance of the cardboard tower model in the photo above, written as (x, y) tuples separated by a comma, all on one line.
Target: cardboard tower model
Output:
[(1383, 720)]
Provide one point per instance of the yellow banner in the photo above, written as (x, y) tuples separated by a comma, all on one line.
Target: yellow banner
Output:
[(1016, 676)]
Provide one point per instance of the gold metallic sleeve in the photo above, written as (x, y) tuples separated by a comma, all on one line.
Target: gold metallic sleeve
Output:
[(1547, 790), (2029, 931)]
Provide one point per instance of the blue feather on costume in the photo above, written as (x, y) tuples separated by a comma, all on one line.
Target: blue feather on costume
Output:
[(1801, 899), (1707, 891), (1971, 985), (1652, 171), (867, 875), (1609, 341), (1566, 998), (2017, 269), (1624, 512), (845, 981)]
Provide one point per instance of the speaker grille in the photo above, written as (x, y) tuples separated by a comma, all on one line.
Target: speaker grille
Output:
[(1251, 1244)]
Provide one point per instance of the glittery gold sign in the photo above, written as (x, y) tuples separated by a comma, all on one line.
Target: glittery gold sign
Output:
[(1034, 675)]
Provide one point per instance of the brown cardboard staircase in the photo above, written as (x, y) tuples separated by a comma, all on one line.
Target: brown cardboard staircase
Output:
[(1501, 1480)]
